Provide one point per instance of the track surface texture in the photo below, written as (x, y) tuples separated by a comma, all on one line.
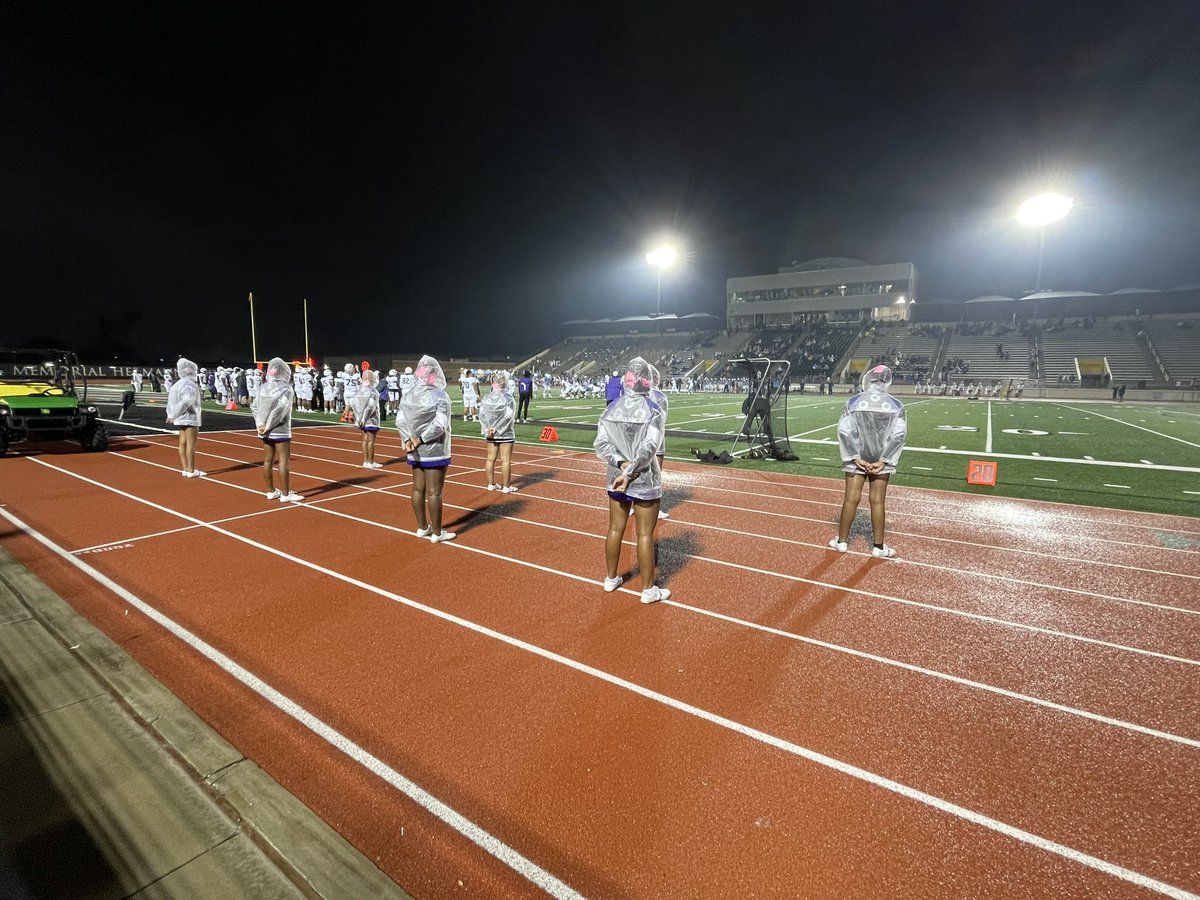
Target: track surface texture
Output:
[(1011, 708)]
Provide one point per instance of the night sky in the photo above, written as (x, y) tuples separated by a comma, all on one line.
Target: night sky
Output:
[(462, 178)]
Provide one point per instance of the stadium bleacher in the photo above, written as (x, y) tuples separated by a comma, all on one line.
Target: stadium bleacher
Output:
[(1177, 341), (1061, 345), (977, 350)]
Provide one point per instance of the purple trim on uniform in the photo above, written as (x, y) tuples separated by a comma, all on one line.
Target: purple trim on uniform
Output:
[(267, 439), (494, 440), (621, 497), (434, 464), (371, 428)]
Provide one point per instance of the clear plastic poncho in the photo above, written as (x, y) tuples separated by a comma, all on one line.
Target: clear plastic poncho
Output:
[(657, 395), (425, 412), (273, 405), (873, 425), (183, 397), (366, 402), (629, 431), (498, 410)]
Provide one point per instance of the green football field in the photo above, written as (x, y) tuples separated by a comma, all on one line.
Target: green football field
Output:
[(1125, 455)]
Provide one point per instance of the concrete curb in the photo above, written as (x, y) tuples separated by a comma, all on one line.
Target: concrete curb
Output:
[(173, 809)]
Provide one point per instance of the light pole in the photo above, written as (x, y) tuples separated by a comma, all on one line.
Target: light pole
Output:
[(661, 258), (1038, 212)]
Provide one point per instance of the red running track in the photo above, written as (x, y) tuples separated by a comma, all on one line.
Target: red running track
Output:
[(1009, 709)]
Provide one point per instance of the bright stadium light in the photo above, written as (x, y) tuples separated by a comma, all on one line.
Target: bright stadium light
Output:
[(901, 300), (661, 258), (1038, 212)]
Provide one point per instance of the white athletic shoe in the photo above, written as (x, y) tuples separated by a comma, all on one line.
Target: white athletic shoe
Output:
[(611, 584), (424, 532), (274, 495), (493, 487), (663, 514), (196, 473), (654, 594), (839, 546), (884, 552), (444, 536), (511, 489), (291, 497)]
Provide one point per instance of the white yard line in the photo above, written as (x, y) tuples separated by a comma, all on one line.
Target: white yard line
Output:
[(988, 447), (1169, 437)]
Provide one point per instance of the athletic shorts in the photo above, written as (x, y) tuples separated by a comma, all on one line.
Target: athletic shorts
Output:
[(492, 440), (371, 428), (422, 464), (267, 439)]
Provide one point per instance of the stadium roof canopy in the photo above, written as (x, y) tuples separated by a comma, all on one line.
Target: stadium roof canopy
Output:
[(1049, 295), (1190, 286), (1136, 291), (829, 262), (665, 317), (993, 299)]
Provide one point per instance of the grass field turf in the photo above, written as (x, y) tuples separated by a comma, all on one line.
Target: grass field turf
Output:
[(1123, 455), (1140, 456)]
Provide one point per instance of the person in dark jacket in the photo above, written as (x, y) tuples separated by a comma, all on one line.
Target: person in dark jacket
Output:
[(612, 388), (524, 395)]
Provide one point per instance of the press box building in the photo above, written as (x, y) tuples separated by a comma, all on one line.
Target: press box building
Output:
[(844, 290)]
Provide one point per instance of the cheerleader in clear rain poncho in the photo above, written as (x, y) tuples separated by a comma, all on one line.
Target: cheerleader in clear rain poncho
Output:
[(627, 438), (273, 419), (424, 426), (497, 415), (366, 416), (183, 411), (871, 434), (658, 397)]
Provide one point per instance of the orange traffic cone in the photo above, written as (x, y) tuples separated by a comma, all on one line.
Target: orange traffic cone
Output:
[(231, 405)]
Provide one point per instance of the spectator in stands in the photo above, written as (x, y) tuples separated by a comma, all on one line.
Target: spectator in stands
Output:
[(627, 438), (1121, 393), (871, 435), (183, 411), (424, 426)]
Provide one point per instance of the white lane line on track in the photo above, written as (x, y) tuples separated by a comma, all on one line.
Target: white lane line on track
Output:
[(745, 623), (493, 845), (145, 537), (767, 513), (410, 789)]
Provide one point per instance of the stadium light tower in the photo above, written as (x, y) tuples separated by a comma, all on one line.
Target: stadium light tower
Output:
[(661, 258), (1038, 212)]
